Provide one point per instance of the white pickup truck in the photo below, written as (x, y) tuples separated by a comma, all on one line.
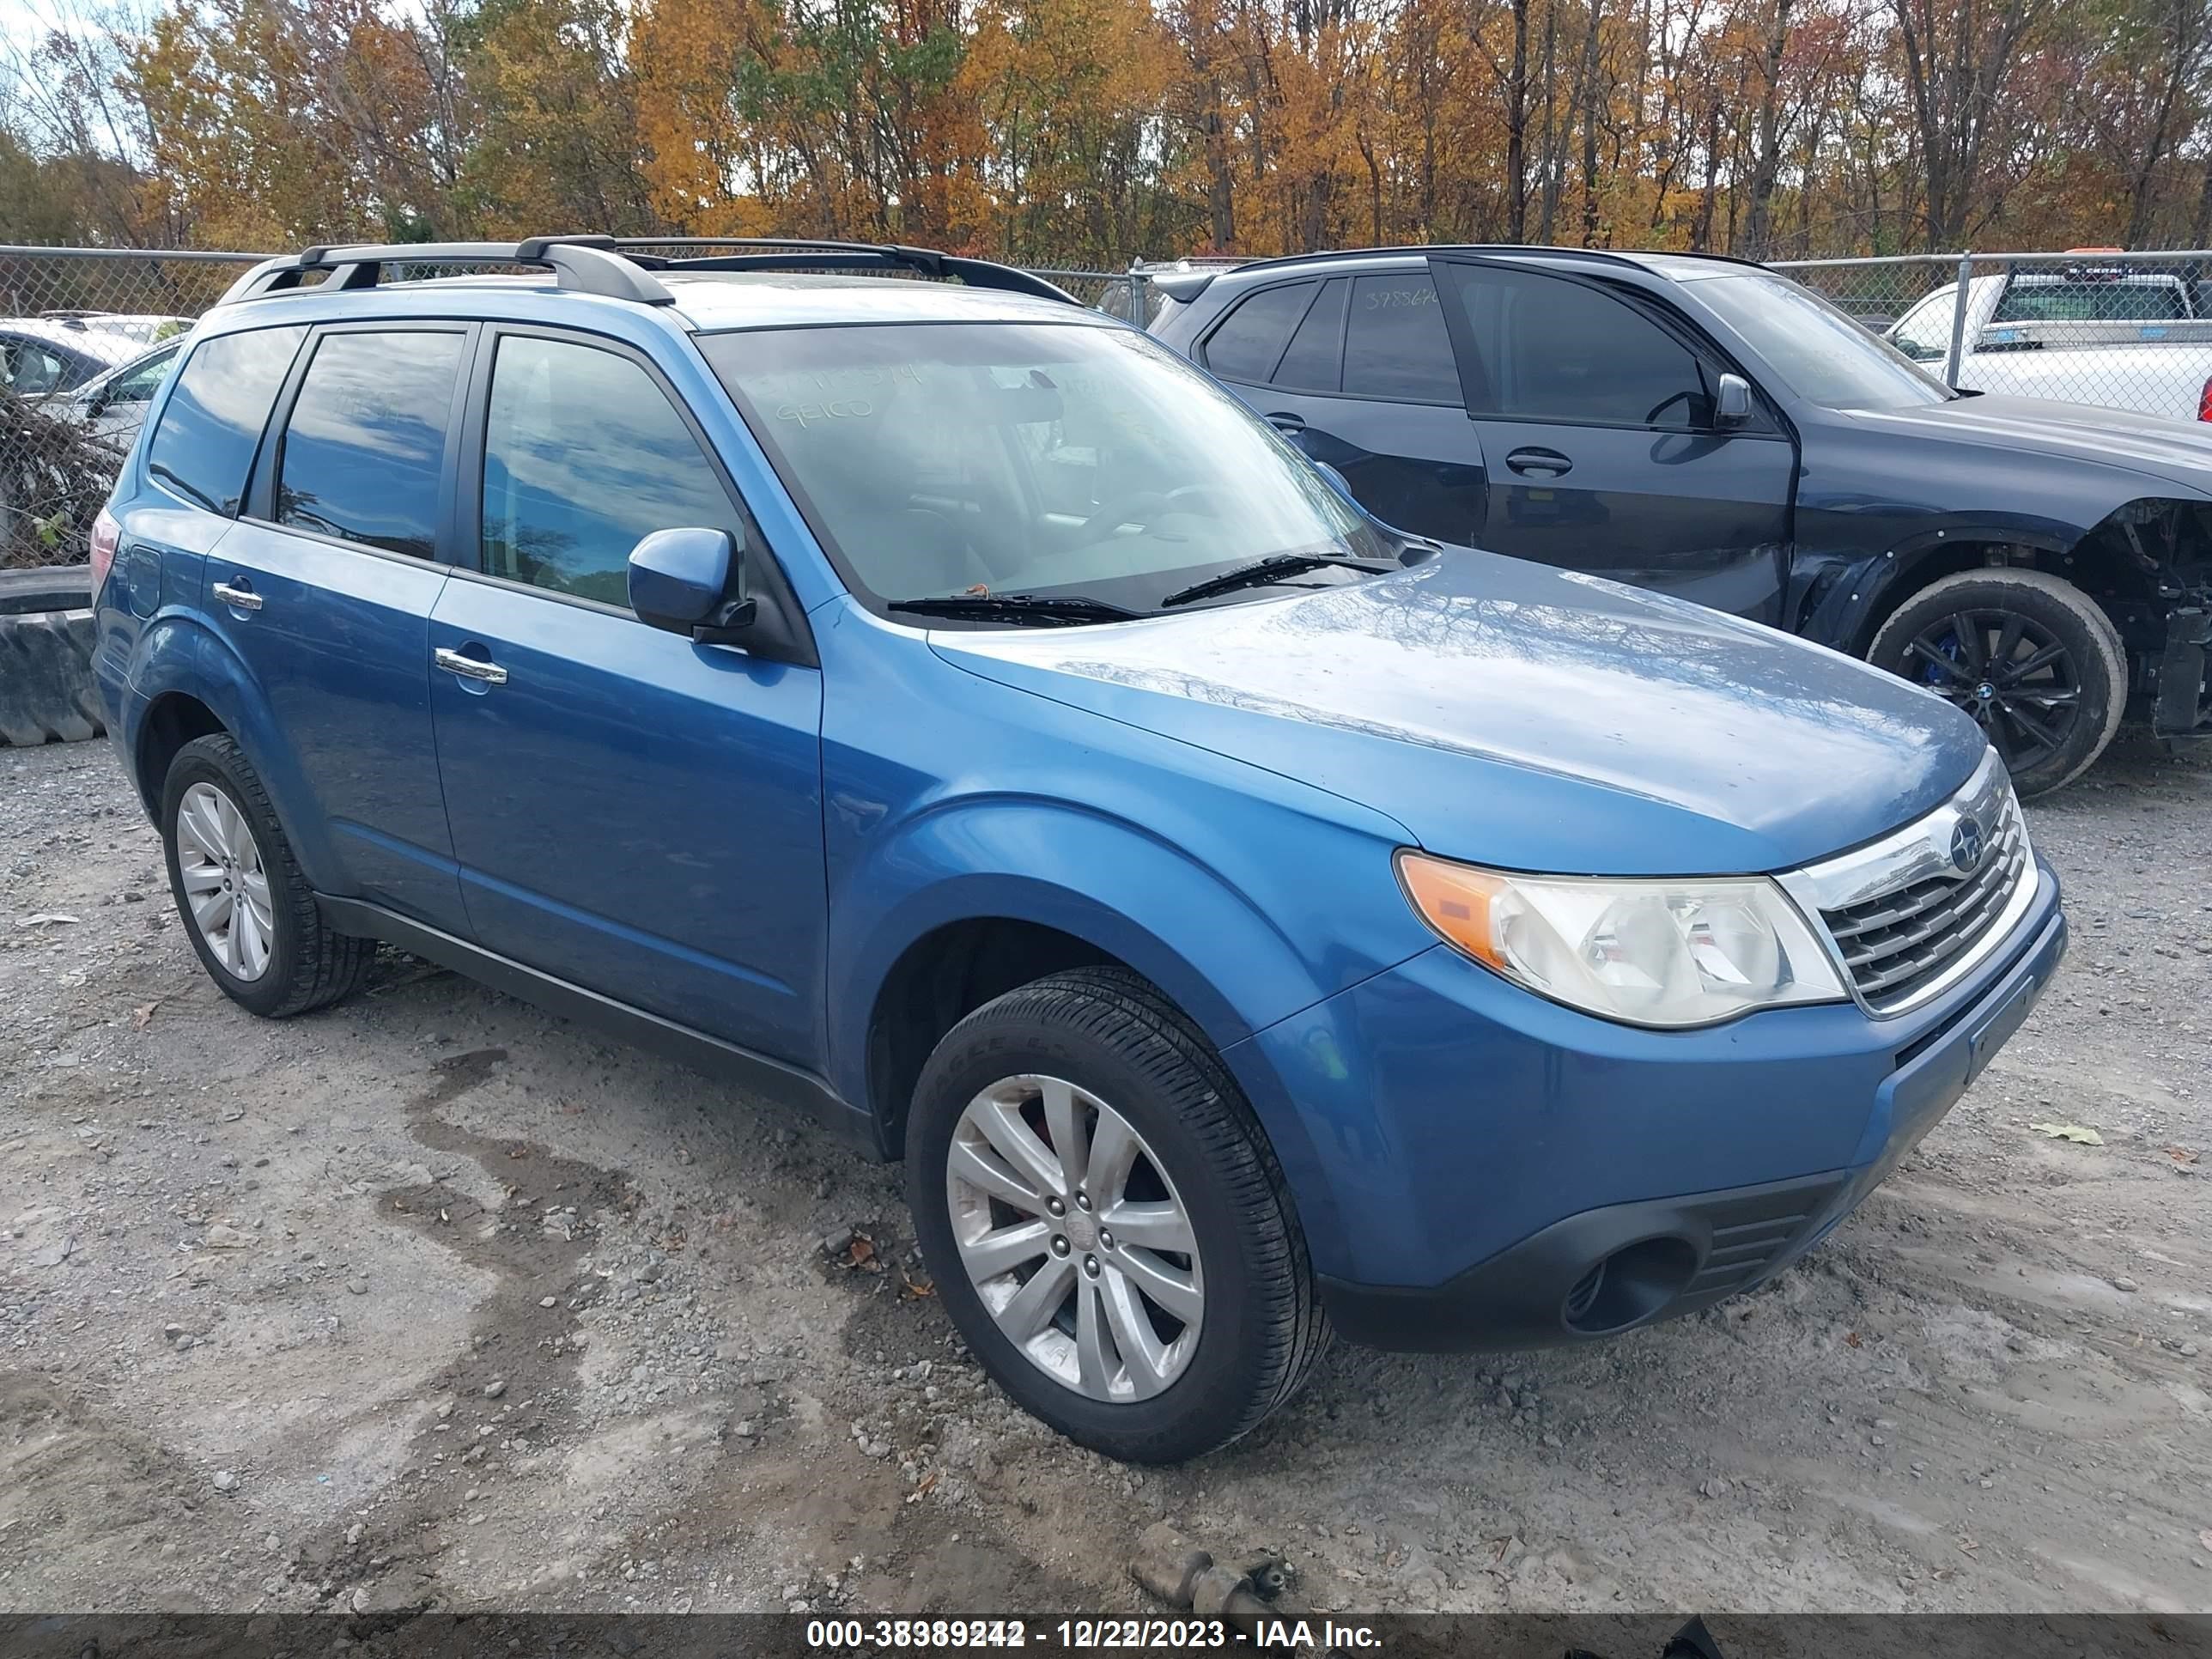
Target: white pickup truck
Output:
[(2102, 334)]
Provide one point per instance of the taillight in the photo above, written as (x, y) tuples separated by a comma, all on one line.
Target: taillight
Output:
[(106, 533), (2204, 403)]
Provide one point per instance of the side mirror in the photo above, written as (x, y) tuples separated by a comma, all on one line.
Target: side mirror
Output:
[(1337, 481), (1731, 402), (679, 579)]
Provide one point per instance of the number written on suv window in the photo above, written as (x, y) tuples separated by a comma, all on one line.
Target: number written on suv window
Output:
[(583, 458), (1395, 345), (367, 439), (213, 420)]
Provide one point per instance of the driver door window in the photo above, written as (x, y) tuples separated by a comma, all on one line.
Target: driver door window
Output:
[(1551, 350)]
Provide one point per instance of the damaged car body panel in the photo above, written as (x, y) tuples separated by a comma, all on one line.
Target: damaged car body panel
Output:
[(2145, 560)]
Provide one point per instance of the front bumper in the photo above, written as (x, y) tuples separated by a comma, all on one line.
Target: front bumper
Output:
[(1560, 1178)]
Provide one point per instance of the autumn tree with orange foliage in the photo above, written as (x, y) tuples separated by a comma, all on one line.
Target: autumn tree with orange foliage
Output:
[(1089, 131)]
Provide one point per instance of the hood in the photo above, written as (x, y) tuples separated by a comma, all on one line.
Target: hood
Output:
[(2176, 452), (1517, 715)]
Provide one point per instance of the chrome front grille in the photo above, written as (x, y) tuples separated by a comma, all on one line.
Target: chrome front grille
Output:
[(1894, 944), (1913, 912)]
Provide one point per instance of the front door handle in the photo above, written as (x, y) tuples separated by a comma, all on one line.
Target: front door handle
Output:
[(1288, 424), (238, 596), (1543, 463), (471, 668)]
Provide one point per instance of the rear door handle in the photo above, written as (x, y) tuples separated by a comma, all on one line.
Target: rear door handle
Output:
[(1284, 421), (238, 596), (1544, 463), (471, 668)]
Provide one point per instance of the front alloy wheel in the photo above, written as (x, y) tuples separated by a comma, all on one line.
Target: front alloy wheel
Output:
[(2014, 677), (2029, 655), (1105, 1221), (1074, 1237)]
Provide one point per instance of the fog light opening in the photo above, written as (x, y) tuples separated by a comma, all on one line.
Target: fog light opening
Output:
[(1632, 1285)]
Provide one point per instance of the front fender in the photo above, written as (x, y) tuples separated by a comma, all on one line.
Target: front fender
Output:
[(1847, 595), (179, 654), (1232, 959)]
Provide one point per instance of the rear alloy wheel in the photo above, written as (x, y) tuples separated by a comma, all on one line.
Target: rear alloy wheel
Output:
[(2030, 656), (226, 889), (248, 910), (1105, 1221)]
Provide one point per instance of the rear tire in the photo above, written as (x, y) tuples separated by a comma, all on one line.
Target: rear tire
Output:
[(288, 962), (1201, 1174), (2031, 656)]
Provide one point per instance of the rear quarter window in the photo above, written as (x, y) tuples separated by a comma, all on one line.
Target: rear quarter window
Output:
[(1250, 341), (204, 447)]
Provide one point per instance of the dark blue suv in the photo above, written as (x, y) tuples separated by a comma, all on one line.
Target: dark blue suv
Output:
[(1706, 428), (937, 704)]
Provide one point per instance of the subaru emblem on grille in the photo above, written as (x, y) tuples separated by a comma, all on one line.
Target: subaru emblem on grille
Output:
[(1965, 845)]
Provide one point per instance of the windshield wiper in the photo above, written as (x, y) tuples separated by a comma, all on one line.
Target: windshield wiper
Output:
[(1032, 609), (1272, 568)]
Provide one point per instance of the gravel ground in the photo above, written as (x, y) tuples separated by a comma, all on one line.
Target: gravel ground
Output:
[(429, 1299)]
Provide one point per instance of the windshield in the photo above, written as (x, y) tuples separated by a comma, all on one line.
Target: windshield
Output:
[(971, 458), (1818, 351)]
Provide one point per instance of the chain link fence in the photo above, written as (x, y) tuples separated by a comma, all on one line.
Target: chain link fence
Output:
[(2092, 325), (82, 334), (86, 335)]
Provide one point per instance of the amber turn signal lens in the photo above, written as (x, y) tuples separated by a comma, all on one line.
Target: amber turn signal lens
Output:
[(1455, 901)]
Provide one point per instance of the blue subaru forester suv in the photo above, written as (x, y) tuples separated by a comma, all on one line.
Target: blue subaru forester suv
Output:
[(937, 704)]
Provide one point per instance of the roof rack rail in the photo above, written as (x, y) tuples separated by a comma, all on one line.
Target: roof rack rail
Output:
[(622, 268), (586, 264), (823, 253), (1189, 284)]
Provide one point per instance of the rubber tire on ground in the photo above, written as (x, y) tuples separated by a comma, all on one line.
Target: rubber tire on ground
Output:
[(46, 690), (1109, 1031), (2073, 617), (309, 965)]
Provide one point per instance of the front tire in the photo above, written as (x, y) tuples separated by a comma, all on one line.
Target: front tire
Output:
[(2028, 654), (1044, 1121), (249, 912)]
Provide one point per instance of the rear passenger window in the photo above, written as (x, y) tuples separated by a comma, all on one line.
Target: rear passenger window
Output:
[(1246, 346), (1397, 345), (366, 442), (584, 456), (212, 423), (1315, 361)]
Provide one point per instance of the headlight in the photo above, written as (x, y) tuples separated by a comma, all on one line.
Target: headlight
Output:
[(1646, 952)]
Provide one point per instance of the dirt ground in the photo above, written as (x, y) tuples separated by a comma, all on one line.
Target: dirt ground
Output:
[(429, 1299)]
